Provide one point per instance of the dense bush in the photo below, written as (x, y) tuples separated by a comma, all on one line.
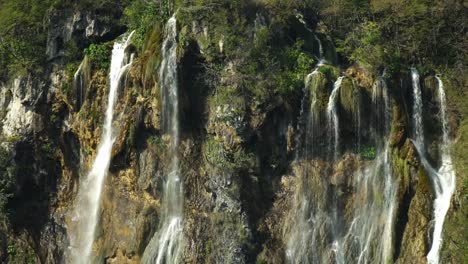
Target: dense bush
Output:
[(397, 32), (141, 16), (99, 55)]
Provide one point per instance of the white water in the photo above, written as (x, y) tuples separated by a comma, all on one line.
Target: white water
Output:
[(320, 49), (444, 182), (418, 129), (318, 231), (371, 229), (309, 217), (87, 204), (333, 124), (443, 179), (332, 115), (78, 83), (165, 245)]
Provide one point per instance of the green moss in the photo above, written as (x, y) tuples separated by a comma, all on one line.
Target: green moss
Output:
[(330, 72), (349, 96), (321, 86)]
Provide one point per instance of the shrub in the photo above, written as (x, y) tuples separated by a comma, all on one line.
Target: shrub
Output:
[(368, 153), (141, 16), (99, 55)]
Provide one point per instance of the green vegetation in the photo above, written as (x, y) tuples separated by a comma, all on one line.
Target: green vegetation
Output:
[(217, 156), (23, 31), (389, 32), (99, 55), (364, 45), (142, 16), (22, 35), (368, 153), (19, 254)]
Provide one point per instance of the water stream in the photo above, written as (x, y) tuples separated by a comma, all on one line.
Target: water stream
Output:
[(166, 244), (85, 216)]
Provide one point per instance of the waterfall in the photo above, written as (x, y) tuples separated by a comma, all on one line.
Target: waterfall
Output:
[(418, 129), (332, 115), (309, 216), (369, 237), (444, 181), (320, 232), (321, 58), (333, 124), (87, 204), (306, 118), (78, 83), (165, 245)]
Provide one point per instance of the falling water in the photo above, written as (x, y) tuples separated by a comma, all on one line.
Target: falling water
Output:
[(444, 182), (443, 179), (321, 58), (417, 108), (78, 83), (165, 245), (333, 124), (332, 115), (309, 217), (369, 237), (87, 204)]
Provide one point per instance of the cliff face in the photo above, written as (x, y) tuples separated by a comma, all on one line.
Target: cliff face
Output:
[(255, 150)]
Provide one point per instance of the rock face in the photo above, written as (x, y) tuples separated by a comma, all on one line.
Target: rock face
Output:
[(69, 27), (20, 103), (245, 158)]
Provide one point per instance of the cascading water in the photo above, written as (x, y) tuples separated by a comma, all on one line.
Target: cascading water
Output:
[(320, 232), (417, 109), (310, 216), (444, 181), (369, 237), (165, 245), (333, 124), (78, 83), (86, 209), (332, 115), (321, 57)]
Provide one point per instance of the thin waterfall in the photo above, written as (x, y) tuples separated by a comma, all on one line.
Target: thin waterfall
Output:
[(86, 209), (444, 182), (332, 115), (369, 237), (418, 128), (333, 124), (165, 246), (321, 56), (78, 85), (306, 117), (443, 179)]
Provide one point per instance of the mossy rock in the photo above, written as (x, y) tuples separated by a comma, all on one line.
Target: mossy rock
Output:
[(349, 98), (320, 87)]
